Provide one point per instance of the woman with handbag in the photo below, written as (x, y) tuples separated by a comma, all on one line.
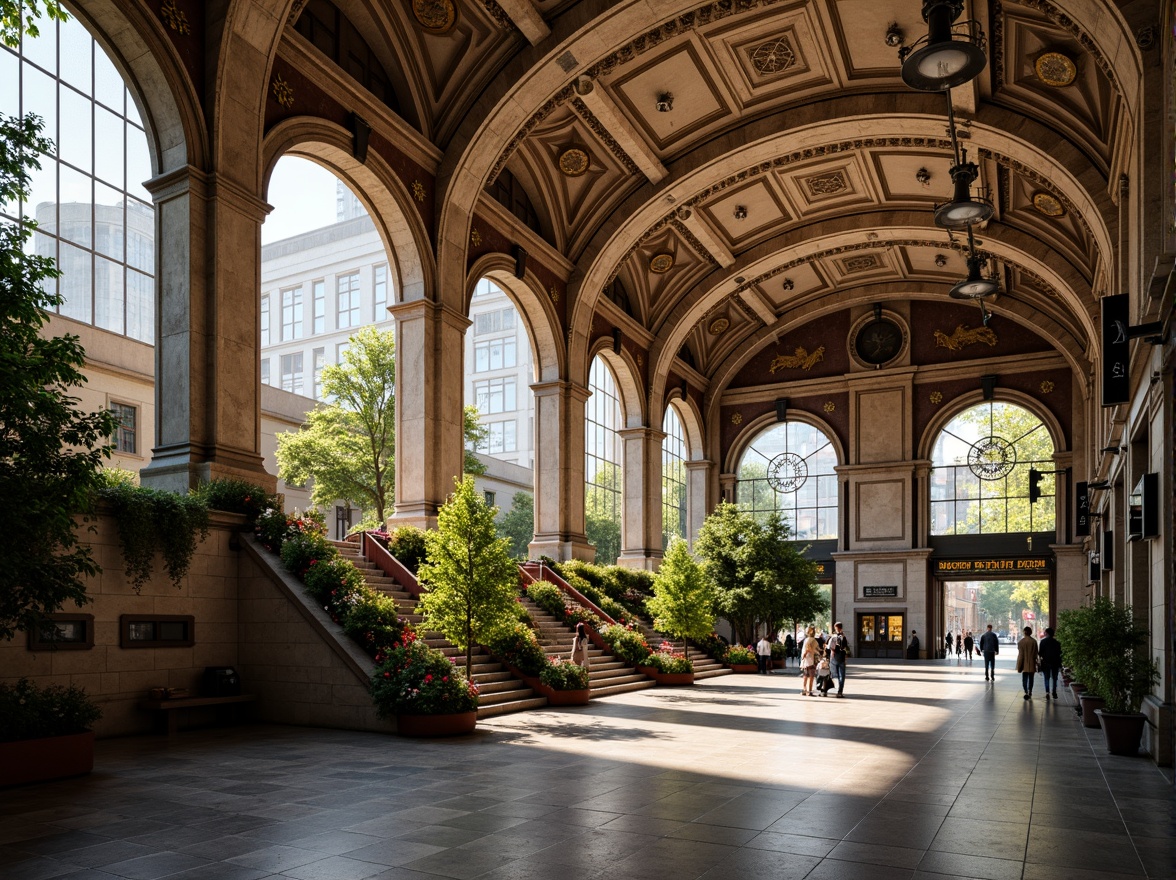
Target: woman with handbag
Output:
[(580, 647), (808, 662)]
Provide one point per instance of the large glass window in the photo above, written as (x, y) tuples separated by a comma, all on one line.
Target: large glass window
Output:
[(500, 437), (94, 215), (673, 478), (347, 287), (380, 293), (789, 468), (603, 457), (494, 322), (125, 439), (320, 361), (495, 354), (292, 372), (495, 395), (292, 314), (265, 320), (980, 473), (318, 291)]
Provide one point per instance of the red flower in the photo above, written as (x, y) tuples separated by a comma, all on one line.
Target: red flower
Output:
[(387, 675), (429, 677)]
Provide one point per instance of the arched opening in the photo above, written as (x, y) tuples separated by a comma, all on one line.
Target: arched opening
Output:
[(325, 276), (603, 457), (789, 467), (674, 490)]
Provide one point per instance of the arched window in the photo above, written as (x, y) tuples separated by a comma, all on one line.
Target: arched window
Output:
[(980, 473), (602, 464), (789, 468), (673, 478), (95, 217)]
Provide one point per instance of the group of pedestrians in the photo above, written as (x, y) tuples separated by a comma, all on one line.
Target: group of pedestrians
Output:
[(823, 665), (1044, 657), (964, 644)]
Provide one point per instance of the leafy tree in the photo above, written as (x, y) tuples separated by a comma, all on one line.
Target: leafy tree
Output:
[(471, 578), (474, 433), (12, 21), (601, 512), (683, 602), (50, 451), (517, 525), (996, 603), (1033, 595), (786, 581)]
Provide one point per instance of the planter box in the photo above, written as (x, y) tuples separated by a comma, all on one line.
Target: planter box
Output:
[(452, 724), (1089, 704), (1123, 732), (38, 760), (742, 667), (554, 697), (668, 679)]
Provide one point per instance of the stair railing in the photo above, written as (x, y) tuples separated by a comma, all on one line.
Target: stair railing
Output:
[(541, 571), (378, 555)]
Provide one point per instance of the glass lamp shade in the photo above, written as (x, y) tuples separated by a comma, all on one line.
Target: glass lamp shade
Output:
[(944, 62), (974, 286), (963, 210)]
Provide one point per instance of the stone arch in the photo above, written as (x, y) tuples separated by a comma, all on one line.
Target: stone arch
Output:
[(687, 411), (387, 200), (1003, 395), (627, 374), (536, 308), (758, 425)]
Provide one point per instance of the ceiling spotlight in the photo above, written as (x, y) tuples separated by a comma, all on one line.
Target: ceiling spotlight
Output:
[(894, 36), (923, 176), (940, 260), (974, 286), (665, 102), (942, 62), (963, 210), (740, 212)]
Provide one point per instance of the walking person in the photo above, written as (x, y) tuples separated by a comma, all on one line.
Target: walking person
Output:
[(913, 646), (789, 648), (809, 652), (947, 643), (1049, 652), (959, 644), (838, 653), (580, 646), (969, 644), (1027, 661), (763, 653), (989, 647)]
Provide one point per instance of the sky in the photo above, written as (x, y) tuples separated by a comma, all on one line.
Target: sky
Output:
[(303, 196)]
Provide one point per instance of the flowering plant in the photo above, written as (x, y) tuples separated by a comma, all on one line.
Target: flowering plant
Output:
[(373, 622), (548, 597), (714, 646), (31, 712), (574, 614), (669, 663), (414, 679), (737, 655), (517, 646), (626, 644), (779, 651), (564, 675)]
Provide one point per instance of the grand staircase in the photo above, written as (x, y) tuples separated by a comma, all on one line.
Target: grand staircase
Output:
[(704, 665), (499, 692)]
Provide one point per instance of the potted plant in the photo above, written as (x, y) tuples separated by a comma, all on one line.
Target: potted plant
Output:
[(779, 655), (422, 689), (45, 733), (667, 667), (741, 659), (564, 683)]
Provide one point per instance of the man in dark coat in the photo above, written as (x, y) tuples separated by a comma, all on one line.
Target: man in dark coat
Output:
[(1049, 654), (989, 647)]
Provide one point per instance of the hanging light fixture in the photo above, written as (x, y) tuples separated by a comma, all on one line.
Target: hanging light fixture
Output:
[(940, 61), (975, 286), (963, 210)]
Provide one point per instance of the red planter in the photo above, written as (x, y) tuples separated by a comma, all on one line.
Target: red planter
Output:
[(1123, 732), (668, 679), (38, 760), (1089, 704), (742, 667), (452, 724), (554, 697)]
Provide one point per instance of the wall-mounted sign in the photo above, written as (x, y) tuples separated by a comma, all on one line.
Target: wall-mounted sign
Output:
[(1082, 509), (887, 592), (825, 569), (1116, 349), (1023, 565)]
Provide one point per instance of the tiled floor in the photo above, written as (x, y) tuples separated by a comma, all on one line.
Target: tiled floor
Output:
[(925, 771)]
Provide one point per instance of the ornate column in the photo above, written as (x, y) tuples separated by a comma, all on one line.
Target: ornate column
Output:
[(697, 501), (641, 522), (559, 472), (430, 451), (207, 333)]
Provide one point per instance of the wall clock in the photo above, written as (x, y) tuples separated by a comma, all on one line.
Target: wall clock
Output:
[(878, 341)]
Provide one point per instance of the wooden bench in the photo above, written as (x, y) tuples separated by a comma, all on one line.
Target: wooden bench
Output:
[(170, 708)]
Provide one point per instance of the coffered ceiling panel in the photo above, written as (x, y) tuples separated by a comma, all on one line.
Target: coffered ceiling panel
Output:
[(798, 283), (663, 267), (914, 175), (744, 215), (858, 31), (824, 186)]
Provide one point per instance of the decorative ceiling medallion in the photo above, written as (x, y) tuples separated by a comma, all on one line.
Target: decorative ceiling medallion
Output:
[(1048, 204), (282, 91), (827, 184), (174, 17), (862, 263), (940, 260), (936, 397), (771, 57), (992, 458), (660, 264), (963, 336), (736, 418), (1046, 386), (574, 161), (717, 326), (435, 16), (800, 359), (878, 342), (787, 472), (1055, 69), (829, 406), (788, 284)]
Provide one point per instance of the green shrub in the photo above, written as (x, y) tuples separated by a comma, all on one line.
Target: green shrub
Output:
[(271, 529), (737, 655), (407, 544), (574, 614), (585, 588), (564, 675), (151, 521), (31, 712), (302, 547), (779, 651), (415, 679), (714, 646), (517, 646), (237, 496), (373, 622), (335, 584), (548, 597), (626, 644), (1107, 650), (669, 664)]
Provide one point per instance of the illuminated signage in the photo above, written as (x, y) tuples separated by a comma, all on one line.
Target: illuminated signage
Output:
[(1024, 565)]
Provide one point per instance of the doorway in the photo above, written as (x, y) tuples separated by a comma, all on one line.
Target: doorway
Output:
[(880, 635), (969, 606)]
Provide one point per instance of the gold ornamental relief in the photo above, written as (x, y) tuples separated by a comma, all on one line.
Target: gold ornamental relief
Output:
[(418, 191), (1046, 386), (717, 326), (964, 336), (574, 161), (660, 264), (830, 406), (800, 359), (1055, 69), (736, 418), (936, 397), (283, 92), (174, 17), (435, 16), (1048, 204)]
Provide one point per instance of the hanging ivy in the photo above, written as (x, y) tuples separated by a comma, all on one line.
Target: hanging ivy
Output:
[(150, 521)]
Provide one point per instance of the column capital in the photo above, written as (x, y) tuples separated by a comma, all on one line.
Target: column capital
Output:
[(642, 431), (427, 309), (561, 387), (698, 465)]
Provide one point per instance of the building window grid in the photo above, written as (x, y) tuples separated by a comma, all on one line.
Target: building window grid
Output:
[(101, 159), (811, 511), (126, 435), (347, 291), (291, 314), (292, 372), (673, 478), (318, 292), (265, 371), (501, 437), (265, 320), (603, 444), (380, 294), (498, 395), (496, 321), (963, 504), (319, 360), (495, 354)]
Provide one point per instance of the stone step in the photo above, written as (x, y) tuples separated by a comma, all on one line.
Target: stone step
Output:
[(504, 685), (639, 684), (505, 696), (711, 673), (495, 709)]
